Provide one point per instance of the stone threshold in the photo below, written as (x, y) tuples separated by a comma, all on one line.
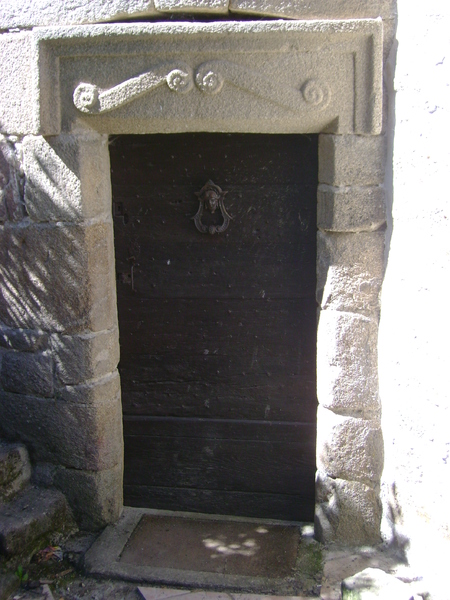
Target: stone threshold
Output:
[(103, 560), (154, 593), (109, 557)]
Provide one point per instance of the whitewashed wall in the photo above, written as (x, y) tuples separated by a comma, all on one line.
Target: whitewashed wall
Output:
[(414, 356)]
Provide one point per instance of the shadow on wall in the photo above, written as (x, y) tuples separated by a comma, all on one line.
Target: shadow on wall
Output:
[(50, 239), (58, 326), (392, 526), (393, 522), (348, 506)]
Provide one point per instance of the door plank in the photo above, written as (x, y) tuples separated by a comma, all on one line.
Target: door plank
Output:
[(222, 458), (241, 158), (298, 507), (281, 401), (239, 429)]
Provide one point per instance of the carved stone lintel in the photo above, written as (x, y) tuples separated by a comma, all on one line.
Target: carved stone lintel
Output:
[(209, 78), (272, 76)]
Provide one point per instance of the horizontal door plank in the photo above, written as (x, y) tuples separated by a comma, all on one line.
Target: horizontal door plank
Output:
[(281, 400), (280, 332), (221, 464), (260, 215), (298, 507), (256, 159), (245, 285), (219, 429)]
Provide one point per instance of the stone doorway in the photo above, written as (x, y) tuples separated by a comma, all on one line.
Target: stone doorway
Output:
[(59, 300)]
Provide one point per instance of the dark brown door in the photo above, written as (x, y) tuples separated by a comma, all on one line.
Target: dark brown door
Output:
[(217, 332)]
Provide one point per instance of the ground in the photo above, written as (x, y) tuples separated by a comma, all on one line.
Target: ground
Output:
[(67, 581)]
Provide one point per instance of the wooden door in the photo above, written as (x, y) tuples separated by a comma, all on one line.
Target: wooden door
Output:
[(217, 332)]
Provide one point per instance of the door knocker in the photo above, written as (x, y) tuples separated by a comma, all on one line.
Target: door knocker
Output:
[(211, 198)]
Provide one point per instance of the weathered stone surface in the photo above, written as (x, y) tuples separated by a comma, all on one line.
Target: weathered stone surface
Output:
[(9, 583), (351, 160), (100, 390), (255, 86), (26, 373), (11, 197), (320, 9), (58, 277), (31, 519), (74, 435), (193, 6), (85, 356), (32, 13), (349, 448), (346, 512), (26, 13), (43, 474), (23, 340), (347, 374), (3, 213), (17, 110), (67, 177), (341, 562), (371, 584), (350, 269), (15, 469), (350, 208), (47, 592), (96, 498)]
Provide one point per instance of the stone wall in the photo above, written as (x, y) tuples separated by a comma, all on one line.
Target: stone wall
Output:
[(415, 328), (58, 306), (60, 391)]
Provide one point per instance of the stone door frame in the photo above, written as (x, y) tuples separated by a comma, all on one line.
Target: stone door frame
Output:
[(68, 304)]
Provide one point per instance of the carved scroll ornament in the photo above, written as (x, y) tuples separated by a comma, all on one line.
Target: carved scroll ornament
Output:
[(90, 99), (209, 78)]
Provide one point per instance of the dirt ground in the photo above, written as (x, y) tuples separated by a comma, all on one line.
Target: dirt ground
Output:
[(61, 571)]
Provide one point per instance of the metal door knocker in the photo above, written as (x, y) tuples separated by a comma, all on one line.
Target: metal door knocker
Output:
[(211, 198)]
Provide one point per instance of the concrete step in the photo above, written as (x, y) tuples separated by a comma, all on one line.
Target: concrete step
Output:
[(15, 469), (34, 518)]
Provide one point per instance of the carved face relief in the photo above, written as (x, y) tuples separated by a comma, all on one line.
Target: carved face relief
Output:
[(211, 198)]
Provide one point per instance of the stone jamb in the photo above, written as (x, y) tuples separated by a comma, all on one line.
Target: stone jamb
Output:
[(350, 266), (71, 215)]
